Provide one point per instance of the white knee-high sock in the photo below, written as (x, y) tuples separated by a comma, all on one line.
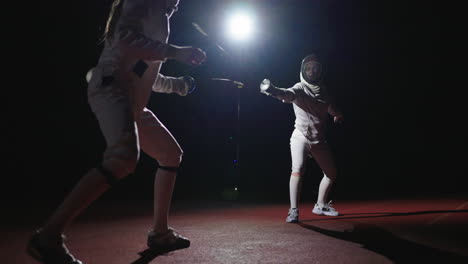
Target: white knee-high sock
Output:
[(324, 189), (163, 188), (294, 189)]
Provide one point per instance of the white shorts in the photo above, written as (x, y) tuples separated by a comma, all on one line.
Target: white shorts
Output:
[(127, 125), (301, 148)]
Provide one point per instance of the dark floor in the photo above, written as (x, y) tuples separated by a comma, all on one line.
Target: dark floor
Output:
[(418, 230)]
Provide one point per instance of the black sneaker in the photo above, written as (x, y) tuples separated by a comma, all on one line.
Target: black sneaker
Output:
[(167, 241), (50, 255)]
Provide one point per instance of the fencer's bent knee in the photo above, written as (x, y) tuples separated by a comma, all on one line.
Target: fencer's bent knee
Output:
[(172, 163), (298, 170), (108, 175), (121, 160), (331, 175), (123, 166), (172, 158), (117, 168)]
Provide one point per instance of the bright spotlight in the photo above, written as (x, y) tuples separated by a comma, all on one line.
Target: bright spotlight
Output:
[(240, 26)]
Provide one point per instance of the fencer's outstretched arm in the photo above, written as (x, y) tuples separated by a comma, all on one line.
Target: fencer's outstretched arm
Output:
[(181, 86), (134, 42), (165, 84), (142, 47), (287, 95)]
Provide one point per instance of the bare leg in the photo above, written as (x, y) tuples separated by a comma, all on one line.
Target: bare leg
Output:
[(88, 189), (118, 127), (163, 188), (158, 142)]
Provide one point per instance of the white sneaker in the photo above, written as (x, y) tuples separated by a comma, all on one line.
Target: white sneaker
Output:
[(293, 216), (326, 209)]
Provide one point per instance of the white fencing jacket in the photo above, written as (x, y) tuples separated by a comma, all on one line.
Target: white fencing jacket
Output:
[(134, 53), (311, 107)]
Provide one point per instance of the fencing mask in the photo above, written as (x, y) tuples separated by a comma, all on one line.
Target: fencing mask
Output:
[(311, 70)]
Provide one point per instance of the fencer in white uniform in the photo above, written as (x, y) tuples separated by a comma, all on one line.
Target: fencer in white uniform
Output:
[(119, 88), (312, 107)]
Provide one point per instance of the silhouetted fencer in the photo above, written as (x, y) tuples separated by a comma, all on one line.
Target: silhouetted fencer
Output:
[(119, 88)]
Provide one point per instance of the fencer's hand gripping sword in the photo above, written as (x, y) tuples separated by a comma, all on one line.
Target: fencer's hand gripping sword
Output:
[(265, 85)]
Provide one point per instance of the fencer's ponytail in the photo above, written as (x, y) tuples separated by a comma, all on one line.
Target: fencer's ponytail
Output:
[(114, 15)]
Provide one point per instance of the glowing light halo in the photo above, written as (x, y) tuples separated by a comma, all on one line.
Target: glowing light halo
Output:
[(240, 26)]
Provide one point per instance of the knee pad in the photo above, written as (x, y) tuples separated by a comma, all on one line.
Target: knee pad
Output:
[(167, 168), (110, 178)]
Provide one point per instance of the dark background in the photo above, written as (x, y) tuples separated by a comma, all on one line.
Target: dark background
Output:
[(380, 65)]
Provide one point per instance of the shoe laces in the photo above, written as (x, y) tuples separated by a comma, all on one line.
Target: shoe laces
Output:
[(293, 211), (328, 206)]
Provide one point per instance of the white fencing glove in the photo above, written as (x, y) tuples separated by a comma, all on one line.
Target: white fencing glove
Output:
[(266, 87)]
